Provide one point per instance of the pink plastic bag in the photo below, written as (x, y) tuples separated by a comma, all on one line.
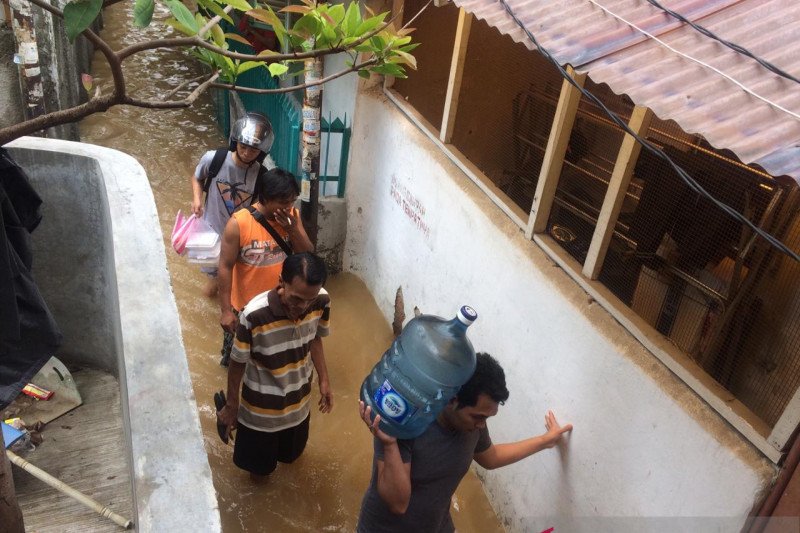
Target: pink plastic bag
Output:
[(183, 229)]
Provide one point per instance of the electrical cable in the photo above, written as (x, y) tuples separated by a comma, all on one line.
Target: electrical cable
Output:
[(701, 63), (733, 46), (690, 181)]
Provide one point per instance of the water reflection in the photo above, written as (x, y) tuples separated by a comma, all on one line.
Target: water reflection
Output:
[(321, 491)]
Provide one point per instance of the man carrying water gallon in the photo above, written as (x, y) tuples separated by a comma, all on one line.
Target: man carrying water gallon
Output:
[(413, 480)]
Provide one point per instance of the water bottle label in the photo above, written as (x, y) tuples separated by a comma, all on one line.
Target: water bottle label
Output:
[(393, 406)]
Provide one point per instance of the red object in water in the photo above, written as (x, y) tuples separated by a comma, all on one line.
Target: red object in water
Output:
[(260, 39)]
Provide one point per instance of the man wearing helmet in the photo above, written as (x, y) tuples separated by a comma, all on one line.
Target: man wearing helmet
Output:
[(232, 186)]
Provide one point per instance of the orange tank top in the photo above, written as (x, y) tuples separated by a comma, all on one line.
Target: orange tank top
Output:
[(258, 265)]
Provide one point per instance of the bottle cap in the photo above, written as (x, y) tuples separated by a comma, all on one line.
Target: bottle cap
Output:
[(467, 315)]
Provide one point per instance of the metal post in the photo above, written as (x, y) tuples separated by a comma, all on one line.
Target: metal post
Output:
[(343, 159), (309, 190)]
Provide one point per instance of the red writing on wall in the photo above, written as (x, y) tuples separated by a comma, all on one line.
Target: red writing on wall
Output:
[(410, 204)]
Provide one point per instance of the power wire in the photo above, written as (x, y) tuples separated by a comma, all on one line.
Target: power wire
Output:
[(702, 63), (733, 46), (690, 181)]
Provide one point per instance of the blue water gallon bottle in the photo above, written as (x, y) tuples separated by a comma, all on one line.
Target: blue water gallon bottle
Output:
[(420, 372)]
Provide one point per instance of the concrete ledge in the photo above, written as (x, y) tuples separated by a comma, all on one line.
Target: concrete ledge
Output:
[(332, 231), (100, 261)]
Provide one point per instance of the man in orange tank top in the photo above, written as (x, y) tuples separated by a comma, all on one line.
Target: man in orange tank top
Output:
[(250, 259)]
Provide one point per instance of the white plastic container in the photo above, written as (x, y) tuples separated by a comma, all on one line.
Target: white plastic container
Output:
[(205, 256), (203, 246)]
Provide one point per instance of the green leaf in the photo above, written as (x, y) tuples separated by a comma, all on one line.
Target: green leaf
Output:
[(364, 47), (407, 59), (276, 69), (327, 18), (248, 65), (390, 69), (306, 26), (180, 27), (79, 14), (226, 66), (409, 47), (218, 36), (183, 15), (241, 5), (336, 12), (363, 74), (352, 19), (216, 9), (328, 37), (143, 12), (378, 42), (370, 24)]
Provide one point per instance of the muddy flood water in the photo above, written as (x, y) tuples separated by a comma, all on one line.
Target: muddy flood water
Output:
[(322, 491)]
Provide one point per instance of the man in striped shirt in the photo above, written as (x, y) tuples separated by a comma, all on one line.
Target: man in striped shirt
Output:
[(278, 346)]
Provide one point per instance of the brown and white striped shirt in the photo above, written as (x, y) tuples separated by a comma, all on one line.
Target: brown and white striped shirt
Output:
[(277, 379)]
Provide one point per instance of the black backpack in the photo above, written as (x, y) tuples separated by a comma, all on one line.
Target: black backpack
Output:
[(216, 165)]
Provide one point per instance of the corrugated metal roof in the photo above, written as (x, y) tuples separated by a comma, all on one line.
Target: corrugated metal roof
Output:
[(579, 33)]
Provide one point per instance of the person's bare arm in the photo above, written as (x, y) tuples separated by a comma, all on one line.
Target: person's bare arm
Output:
[(230, 411), (229, 250), (498, 455), (325, 392), (197, 196), (394, 476)]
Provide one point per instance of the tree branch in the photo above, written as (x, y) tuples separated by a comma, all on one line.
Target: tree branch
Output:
[(214, 20), (407, 24), (175, 91), (156, 104), (202, 88), (195, 40), (252, 90), (56, 118), (101, 103), (173, 104)]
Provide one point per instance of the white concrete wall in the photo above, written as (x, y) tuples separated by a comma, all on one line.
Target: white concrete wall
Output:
[(644, 445), (339, 95)]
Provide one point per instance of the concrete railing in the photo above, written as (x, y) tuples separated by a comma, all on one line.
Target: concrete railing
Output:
[(99, 262)]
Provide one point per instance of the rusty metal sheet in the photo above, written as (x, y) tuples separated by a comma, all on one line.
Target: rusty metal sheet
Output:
[(700, 100)]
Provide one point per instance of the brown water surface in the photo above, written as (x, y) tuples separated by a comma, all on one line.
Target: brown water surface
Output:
[(322, 491)]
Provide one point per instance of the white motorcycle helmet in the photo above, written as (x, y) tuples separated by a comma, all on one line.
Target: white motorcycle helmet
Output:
[(255, 130)]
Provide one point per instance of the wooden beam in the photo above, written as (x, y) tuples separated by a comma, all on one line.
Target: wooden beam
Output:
[(617, 188), (566, 110), (456, 72)]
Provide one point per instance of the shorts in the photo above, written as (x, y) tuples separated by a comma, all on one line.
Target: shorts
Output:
[(258, 452)]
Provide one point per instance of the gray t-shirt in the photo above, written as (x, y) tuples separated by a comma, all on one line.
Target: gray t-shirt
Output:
[(231, 189), (439, 459)]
